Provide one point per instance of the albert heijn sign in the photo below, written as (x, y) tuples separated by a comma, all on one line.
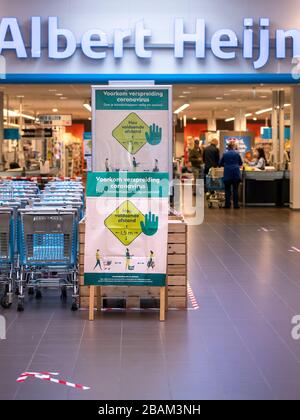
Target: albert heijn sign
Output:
[(61, 42)]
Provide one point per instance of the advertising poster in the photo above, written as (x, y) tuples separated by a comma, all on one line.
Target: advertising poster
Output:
[(126, 229), (87, 147), (128, 192), (244, 142)]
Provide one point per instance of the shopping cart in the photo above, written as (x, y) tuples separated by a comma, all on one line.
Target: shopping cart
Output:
[(215, 187), (7, 237), (48, 249)]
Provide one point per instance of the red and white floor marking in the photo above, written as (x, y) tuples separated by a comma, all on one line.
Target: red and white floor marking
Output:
[(46, 376), (294, 249), (192, 297)]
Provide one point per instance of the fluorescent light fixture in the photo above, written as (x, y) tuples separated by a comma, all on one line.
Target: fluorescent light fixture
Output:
[(286, 105), (28, 117), (59, 94), (263, 111), (230, 119), (16, 114), (11, 124), (248, 115), (54, 110), (219, 98), (87, 106), (254, 118), (181, 108), (194, 118)]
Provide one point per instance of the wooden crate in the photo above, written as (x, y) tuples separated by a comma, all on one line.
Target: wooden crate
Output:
[(176, 273)]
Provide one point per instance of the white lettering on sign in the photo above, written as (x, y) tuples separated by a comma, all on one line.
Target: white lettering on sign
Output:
[(94, 43)]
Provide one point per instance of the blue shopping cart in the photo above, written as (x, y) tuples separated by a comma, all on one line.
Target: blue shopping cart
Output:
[(7, 253), (215, 189), (48, 249)]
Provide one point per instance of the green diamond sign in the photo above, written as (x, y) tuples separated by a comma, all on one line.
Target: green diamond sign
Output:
[(125, 222), (131, 133)]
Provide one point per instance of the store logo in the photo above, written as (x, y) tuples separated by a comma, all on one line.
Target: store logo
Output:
[(2, 328), (296, 329), (2, 67), (224, 43)]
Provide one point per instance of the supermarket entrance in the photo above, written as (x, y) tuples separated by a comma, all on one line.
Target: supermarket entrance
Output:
[(47, 131)]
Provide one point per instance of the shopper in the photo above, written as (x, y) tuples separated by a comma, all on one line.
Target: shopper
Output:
[(196, 160), (231, 161), (259, 161), (211, 156)]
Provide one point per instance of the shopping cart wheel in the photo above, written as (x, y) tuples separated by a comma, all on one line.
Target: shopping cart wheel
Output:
[(64, 294), (5, 303), (20, 307), (38, 294), (31, 291), (74, 307)]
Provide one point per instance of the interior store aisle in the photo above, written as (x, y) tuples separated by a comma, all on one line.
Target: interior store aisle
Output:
[(238, 343)]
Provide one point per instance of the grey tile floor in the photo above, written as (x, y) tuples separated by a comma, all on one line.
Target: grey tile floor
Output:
[(237, 345)]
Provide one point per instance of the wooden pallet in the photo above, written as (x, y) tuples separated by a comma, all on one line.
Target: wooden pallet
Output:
[(176, 274)]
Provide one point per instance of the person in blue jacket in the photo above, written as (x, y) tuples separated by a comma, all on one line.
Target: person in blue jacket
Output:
[(232, 161)]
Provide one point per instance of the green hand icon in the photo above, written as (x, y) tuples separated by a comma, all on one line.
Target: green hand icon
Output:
[(154, 135), (150, 226)]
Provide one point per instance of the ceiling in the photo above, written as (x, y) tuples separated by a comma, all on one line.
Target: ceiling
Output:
[(224, 100)]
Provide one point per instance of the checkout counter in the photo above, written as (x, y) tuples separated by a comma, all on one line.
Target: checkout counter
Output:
[(266, 188)]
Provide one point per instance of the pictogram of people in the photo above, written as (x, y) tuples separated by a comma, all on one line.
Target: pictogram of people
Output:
[(128, 256), (98, 260), (151, 263), (156, 168)]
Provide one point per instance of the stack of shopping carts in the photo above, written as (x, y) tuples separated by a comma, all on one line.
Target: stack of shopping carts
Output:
[(7, 253), (39, 239), (215, 187)]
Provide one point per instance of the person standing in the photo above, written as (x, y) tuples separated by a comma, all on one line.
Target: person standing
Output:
[(231, 161), (196, 159), (211, 156)]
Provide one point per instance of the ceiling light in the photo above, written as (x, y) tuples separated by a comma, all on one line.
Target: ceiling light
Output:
[(87, 106), (28, 117), (181, 108), (59, 94), (52, 90), (16, 114), (90, 118), (182, 96), (263, 111), (230, 119), (286, 105), (186, 92), (54, 110), (194, 118), (11, 124), (20, 96), (254, 118), (226, 94), (219, 98), (63, 97), (263, 96), (248, 115)]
